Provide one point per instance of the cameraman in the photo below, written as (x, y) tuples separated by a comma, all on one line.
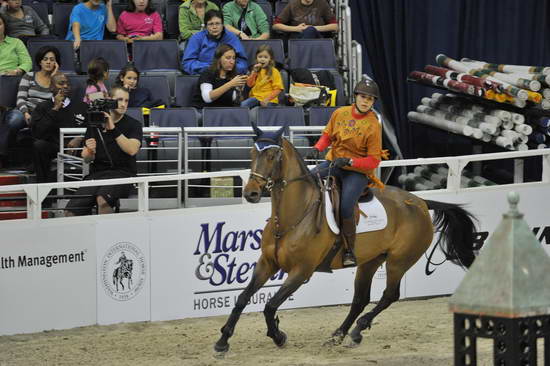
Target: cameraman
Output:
[(111, 151)]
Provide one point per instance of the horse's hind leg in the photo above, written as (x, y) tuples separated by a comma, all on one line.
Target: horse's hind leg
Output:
[(395, 271), (361, 297), (264, 269), (292, 283)]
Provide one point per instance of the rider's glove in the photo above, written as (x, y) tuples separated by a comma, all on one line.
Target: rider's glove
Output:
[(341, 162)]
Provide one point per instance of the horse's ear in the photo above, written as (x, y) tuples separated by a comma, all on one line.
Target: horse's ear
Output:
[(257, 131), (279, 132)]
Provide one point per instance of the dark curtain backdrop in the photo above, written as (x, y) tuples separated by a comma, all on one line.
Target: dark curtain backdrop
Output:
[(399, 36)]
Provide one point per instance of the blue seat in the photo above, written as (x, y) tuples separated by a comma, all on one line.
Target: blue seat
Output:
[(156, 55), (310, 54), (172, 21), (319, 116), (178, 117), (8, 90), (279, 6), (268, 10), (278, 116), (136, 113), (158, 85), (227, 152), (78, 86), (250, 47), (42, 11), (67, 64), (113, 51), (185, 89), (61, 14)]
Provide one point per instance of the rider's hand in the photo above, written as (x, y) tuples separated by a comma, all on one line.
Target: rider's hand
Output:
[(314, 154), (341, 162)]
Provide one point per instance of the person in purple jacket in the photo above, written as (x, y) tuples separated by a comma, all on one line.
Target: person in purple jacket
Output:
[(201, 47)]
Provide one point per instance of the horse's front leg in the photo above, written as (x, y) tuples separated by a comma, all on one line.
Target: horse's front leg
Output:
[(263, 271), (293, 282)]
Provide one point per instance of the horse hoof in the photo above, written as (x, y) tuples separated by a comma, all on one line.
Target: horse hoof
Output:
[(221, 349), (336, 339), (350, 342), (280, 340)]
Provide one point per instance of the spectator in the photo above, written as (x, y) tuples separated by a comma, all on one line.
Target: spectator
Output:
[(139, 97), (139, 22), (246, 19), (46, 120), (35, 87), (191, 16), (306, 19), (265, 80), (98, 72), (112, 156), (88, 21), (201, 46), (23, 20), (14, 57), (220, 85), (14, 60)]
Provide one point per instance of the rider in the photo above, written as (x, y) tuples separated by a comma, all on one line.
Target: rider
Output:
[(356, 138)]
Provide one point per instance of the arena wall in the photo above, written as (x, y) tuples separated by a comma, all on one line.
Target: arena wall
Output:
[(193, 262)]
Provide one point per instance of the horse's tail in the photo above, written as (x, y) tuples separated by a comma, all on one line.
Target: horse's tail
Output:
[(457, 228)]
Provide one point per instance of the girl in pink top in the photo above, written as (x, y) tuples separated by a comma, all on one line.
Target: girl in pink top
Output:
[(139, 21), (98, 72)]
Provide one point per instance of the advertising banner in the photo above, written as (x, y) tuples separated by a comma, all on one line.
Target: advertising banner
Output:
[(47, 277), (123, 270), (426, 278)]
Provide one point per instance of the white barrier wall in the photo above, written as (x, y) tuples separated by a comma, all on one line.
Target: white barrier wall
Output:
[(192, 263)]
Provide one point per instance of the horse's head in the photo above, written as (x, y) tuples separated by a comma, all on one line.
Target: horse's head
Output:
[(266, 155)]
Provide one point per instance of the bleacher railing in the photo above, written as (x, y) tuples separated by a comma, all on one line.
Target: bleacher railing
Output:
[(36, 193)]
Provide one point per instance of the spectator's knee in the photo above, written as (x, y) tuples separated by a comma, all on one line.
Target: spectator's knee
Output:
[(39, 145)]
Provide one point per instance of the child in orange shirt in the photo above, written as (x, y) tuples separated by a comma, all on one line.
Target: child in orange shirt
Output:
[(265, 80)]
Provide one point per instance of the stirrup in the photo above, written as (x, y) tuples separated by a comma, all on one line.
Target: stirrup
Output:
[(348, 259)]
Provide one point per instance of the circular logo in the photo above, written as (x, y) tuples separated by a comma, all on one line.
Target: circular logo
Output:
[(123, 271)]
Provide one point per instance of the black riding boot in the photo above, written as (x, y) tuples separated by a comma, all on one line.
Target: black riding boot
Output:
[(348, 233)]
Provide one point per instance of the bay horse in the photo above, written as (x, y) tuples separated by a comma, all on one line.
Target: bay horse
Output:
[(297, 238)]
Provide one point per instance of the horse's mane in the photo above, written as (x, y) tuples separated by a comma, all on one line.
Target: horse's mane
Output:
[(303, 167)]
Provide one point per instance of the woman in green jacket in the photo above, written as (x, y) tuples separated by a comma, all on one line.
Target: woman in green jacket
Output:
[(246, 19), (191, 16)]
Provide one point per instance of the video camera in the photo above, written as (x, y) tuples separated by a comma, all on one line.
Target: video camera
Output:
[(95, 115)]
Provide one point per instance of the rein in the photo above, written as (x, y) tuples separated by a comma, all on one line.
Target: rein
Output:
[(280, 185)]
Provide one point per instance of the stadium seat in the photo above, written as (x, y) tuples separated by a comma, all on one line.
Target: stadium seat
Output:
[(279, 6), (78, 86), (278, 116), (158, 85), (118, 9), (156, 55), (178, 117), (250, 47), (319, 116), (136, 113), (184, 89), (172, 21), (113, 51), (224, 148), (311, 54), (268, 10), (339, 82), (61, 13), (65, 49), (8, 90), (42, 11)]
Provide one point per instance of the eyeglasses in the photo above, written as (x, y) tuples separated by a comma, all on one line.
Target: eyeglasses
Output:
[(213, 24)]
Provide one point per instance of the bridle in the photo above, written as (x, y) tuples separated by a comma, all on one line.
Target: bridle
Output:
[(280, 184)]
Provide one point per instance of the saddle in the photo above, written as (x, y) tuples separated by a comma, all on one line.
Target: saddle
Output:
[(334, 188)]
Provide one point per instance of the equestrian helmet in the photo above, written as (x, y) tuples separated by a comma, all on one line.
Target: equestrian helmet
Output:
[(368, 87)]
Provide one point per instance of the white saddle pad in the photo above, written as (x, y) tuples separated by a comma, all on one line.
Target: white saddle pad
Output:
[(376, 219)]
